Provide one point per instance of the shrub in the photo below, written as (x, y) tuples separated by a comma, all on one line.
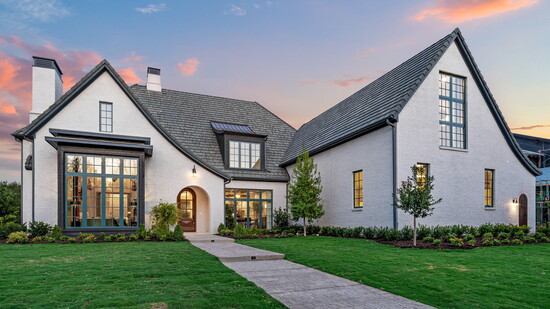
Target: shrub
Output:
[(456, 242), (505, 241), (134, 237), (120, 237), (539, 235), (529, 240), (239, 232), (487, 242), (313, 229), (141, 232), (449, 237), (370, 232), (496, 242), (517, 242), (226, 232), (111, 237), (472, 242), (10, 227), (423, 231), (84, 235), (281, 218), (487, 236), (544, 239), (71, 240), (221, 227), (544, 228), (519, 235), (503, 235), (178, 233), (39, 228), (469, 237), (163, 215), (437, 242), (88, 238), (525, 229), (486, 228), (101, 236), (56, 232), (18, 238), (38, 239), (49, 239), (428, 239), (63, 238)]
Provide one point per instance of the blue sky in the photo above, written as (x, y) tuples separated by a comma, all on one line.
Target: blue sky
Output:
[(297, 58)]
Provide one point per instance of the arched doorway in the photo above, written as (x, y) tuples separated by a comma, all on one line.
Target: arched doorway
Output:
[(187, 210), (523, 209)]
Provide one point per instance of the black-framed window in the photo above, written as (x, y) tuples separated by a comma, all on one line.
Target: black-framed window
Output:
[(422, 172), (244, 155), (358, 189), (249, 207), (489, 187), (101, 191), (452, 111), (105, 117)]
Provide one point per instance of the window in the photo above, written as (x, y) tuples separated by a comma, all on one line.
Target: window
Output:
[(489, 187), (422, 172), (244, 155), (249, 208), (358, 189), (101, 192), (452, 111), (105, 117)]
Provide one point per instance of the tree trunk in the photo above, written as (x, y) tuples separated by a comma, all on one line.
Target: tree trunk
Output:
[(414, 231), (305, 230)]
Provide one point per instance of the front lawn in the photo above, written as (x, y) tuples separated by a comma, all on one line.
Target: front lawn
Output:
[(132, 275), (492, 277)]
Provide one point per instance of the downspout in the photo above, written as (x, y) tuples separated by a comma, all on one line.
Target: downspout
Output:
[(33, 173), (394, 167), (225, 182), (21, 191)]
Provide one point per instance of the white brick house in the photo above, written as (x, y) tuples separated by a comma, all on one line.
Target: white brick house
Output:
[(98, 157)]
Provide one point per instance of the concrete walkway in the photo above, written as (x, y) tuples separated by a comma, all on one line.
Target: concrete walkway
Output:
[(295, 285)]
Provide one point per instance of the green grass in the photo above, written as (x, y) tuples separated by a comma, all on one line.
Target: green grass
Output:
[(493, 277), (131, 275)]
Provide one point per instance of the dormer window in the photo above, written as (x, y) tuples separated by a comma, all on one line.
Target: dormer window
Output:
[(244, 155), (240, 146)]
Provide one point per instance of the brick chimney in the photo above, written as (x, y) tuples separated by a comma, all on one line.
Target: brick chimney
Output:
[(47, 85)]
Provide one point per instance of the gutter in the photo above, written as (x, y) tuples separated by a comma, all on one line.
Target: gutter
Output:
[(393, 124)]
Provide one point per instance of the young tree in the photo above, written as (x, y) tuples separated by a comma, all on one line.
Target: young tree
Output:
[(10, 202), (415, 196), (304, 190)]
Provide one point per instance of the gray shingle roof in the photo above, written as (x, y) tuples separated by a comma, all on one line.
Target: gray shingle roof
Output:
[(187, 117), (381, 101)]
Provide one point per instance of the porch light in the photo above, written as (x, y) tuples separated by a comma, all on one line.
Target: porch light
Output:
[(515, 202), (194, 172)]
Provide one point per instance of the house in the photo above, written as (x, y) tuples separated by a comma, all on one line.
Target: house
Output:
[(434, 110), (98, 157)]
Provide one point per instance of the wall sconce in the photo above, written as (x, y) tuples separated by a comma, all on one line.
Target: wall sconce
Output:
[(515, 202), (194, 172)]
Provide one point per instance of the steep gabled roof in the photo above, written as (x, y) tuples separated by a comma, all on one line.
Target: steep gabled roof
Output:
[(184, 119), (29, 131), (381, 101), (188, 118)]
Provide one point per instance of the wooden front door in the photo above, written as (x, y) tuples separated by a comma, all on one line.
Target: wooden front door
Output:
[(523, 209), (187, 210)]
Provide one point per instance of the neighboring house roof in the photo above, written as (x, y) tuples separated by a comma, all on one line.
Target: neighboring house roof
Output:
[(184, 120), (532, 143), (381, 101), (190, 118), (545, 176)]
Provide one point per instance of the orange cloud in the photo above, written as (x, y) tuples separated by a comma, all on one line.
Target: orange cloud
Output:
[(189, 67), (133, 58), (536, 126), (129, 76), (8, 71), (342, 83), (458, 11), (8, 109)]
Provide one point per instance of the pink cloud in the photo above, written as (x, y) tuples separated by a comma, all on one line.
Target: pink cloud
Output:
[(458, 11), (129, 76), (342, 83), (8, 109), (189, 67), (365, 53), (133, 58)]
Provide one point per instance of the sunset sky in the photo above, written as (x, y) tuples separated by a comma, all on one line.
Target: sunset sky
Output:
[(297, 58)]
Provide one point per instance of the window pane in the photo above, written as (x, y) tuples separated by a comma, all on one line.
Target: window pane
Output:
[(234, 154), (358, 189), (266, 195), (229, 193), (112, 166), (266, 215), (489, 183), (105, 117), (242, 212), (242, 194), (74, 201), (452, 110), (255, 153), (93, 201), (130, 202), (254, 215), (422, 173), (245, 155), (112, 202), (74, 163), (130, 166), (254, 194), (93, 165)]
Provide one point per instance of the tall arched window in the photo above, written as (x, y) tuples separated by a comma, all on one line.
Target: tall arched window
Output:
[(187, 208)]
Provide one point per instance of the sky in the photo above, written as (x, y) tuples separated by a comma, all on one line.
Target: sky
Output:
[(297, 58)]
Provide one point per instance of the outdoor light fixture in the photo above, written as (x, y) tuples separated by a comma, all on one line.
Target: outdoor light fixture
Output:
[(194, 171), (515, 201)]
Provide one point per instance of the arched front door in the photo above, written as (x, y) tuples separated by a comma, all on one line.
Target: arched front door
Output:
[(187, 210), (523, 209)]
